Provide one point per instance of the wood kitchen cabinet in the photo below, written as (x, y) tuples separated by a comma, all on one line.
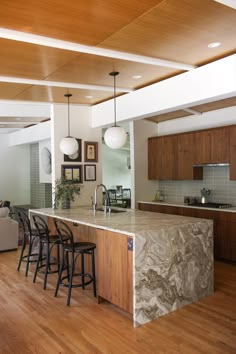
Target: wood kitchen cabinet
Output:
[(185, 158), (212, 146), (162, 158), (232, 152), (224, 226), (115, 269), (173, 157)]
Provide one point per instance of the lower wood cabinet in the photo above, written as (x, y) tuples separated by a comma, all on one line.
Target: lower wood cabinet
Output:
[(114, 263), (115, 269), (224, 226)]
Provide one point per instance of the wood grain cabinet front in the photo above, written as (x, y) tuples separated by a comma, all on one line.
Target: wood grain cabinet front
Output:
[(115, 269)]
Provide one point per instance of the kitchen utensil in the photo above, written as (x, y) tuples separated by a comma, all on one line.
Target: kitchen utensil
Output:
[(204, 194)]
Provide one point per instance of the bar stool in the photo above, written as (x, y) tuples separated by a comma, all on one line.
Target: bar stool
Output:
[(46, 244), (30, 237), (74, 249)]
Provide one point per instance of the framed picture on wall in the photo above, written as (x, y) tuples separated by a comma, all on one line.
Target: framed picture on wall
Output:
[(72, 173), (90, 151), (90, 172), (75, 157)]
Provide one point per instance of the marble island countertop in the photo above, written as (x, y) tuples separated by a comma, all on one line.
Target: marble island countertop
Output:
[(130, 222), (178, 204)]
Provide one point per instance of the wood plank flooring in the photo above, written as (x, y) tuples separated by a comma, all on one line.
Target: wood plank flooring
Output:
[(33, 321)]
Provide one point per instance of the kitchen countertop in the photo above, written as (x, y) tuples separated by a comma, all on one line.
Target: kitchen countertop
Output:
[(129, 222), (171, 203)]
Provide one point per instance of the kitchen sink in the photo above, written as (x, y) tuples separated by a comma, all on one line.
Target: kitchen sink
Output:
[(113, 211)]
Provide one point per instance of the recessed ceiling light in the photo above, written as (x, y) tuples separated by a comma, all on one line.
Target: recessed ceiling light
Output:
[(18, 118), (136, 77), (214, 45), (88, 96)]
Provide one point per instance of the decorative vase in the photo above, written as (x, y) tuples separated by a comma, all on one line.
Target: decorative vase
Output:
[(65, 203)]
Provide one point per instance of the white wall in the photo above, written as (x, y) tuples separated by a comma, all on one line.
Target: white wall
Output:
[(15, 172), (115, 169), (80, 127), (144, 189)]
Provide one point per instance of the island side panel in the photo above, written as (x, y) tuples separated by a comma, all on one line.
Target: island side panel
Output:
[(173, 268), (115, 269)]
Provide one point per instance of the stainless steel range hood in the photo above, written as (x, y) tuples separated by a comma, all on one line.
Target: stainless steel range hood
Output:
[(212, 164)]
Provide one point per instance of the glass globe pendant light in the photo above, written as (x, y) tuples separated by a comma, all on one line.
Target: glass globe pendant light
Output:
[(115, 137), (69, 145)]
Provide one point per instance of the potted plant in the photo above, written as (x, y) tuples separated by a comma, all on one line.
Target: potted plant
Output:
[(65, 192)]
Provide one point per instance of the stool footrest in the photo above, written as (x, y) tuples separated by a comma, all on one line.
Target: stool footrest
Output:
[(66, 285)]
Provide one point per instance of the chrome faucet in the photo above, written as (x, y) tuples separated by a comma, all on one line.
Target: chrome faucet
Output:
[(106, 199)]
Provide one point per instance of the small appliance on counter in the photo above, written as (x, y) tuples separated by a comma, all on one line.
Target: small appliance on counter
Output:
[(159, 196), (204, 195)]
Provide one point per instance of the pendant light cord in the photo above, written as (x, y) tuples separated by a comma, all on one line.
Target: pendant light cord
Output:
[(68, 95), (115, 99), (114, 74)]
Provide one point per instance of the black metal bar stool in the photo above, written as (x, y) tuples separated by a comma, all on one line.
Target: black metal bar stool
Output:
[(46, 244), (30, 237), (74, 249)]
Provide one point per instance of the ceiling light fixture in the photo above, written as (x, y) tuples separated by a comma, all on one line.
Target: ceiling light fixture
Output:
[(115, 136), (89, 96), (136, 77), (214, 45), (69, 145), (81, 48)]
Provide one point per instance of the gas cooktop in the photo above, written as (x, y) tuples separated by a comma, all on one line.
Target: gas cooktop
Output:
[(212, 205)]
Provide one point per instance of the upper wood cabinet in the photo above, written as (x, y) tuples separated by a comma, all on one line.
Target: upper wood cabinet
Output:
[(162, 157), (211, 146), (174, 156), (232, 152)]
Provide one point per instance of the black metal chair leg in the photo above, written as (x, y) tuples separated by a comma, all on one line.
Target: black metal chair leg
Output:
[(47, 266), (70, 280), (59, 276), (22, 253), (38, 261), (28, 258), (94, 274), (82, 269)]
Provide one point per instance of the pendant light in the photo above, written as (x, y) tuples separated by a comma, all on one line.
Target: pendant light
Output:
[(115, 136), (69, 145)]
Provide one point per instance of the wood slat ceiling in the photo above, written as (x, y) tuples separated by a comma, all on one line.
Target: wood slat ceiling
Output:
[(176, 30), (211, 106)]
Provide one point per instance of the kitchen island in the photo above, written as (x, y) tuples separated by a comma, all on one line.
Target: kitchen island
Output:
[(169, 258)]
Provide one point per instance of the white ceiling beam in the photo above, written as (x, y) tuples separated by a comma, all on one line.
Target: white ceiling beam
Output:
[(207, 83), (18, 123), (18, 80), (229, 3), (76, 47)]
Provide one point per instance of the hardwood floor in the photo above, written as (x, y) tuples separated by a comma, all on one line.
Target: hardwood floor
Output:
[(33, 321)]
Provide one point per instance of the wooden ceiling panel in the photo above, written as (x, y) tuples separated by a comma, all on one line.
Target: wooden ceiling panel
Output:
[(19, 59), (83, 21), (10, 91), (168, 116), (211, 106), (56, 94), (94, 70), (179, 30)]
